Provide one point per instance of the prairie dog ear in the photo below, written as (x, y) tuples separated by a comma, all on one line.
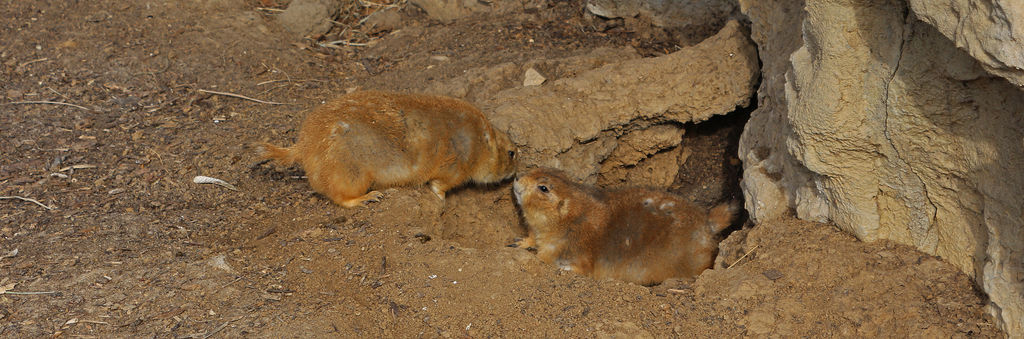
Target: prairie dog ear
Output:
[(489, 140), (563, 207)]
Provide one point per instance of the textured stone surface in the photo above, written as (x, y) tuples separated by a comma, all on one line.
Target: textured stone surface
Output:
[(575, 123), (876, 121), (640, 156), (992, 31), (772, 178), (447, 11), (309, 17), (665, 13), (532, 78), (480, 84), (609, 115), (387, 19)]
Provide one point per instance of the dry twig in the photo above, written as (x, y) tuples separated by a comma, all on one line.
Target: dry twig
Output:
[(33, 293), (744, 256), (271, 81), (289, 80), (233, 95), (59, 93), (334, 44), (94, 322), (47, 102), (75, 167), (200, 179), (27, 199), (221, 327), (366, 3), (32, 62)]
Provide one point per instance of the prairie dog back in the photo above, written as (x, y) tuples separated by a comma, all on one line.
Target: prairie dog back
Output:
[(384, 139)]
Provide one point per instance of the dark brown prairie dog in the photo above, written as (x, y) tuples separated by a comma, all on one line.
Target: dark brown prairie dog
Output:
[(374, 139), (638, 235)]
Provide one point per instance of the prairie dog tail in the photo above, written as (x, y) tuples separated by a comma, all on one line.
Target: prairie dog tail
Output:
[(281, 155), (721, 216)]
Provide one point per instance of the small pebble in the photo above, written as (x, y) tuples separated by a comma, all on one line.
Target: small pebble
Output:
[(772, 274)]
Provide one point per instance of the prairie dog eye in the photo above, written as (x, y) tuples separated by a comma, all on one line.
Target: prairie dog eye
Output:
[(512, 154), (543, 188)]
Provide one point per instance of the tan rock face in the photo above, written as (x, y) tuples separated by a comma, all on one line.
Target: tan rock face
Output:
[(478, 85), (676, 14), (617, 117), (991, 31), (447, 11), (309, 17), (575, 123), (876, 121), (772, 178)]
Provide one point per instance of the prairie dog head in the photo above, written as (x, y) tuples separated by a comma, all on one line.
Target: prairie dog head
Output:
[(545, 197), (500, 162)]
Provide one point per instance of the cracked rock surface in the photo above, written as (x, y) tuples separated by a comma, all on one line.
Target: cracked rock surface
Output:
[(875, 120), (991, 31), (631, 96), (615, 118)]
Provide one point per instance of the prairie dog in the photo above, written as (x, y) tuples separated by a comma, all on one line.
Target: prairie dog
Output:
[(637, 235), (375, 139)]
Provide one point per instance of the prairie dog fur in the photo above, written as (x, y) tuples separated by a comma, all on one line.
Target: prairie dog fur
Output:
[(637, 235), (375, 139)]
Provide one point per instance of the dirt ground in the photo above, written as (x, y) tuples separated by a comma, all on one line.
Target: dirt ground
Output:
[(133, 248)]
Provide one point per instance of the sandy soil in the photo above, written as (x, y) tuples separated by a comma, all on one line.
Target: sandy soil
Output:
[(133, 248)]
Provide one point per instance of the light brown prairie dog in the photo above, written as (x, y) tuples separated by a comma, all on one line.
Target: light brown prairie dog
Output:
[(637, 235), (374, 139)]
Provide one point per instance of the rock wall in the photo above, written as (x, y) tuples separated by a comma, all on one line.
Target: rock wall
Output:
[(447, 11), (578, 123), (671, 13), (619, 122), (872, 118), (991, 31), (309, 17)]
